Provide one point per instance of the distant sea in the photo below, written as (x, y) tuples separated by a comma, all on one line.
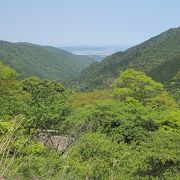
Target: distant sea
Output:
[(96, 52)]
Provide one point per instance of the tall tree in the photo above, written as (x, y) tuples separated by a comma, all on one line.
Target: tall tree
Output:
[(137, 85)]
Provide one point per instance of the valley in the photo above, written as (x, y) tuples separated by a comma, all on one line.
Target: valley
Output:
[(90, 90)]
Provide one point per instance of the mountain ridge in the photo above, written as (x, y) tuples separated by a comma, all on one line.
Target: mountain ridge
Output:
[(42, 61), (144, 57)]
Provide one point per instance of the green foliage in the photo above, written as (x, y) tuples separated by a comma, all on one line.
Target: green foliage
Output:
[(7, 80), (123, 122), (167, 70), (141, 132), (137, 85), (145, 57), (42, 61), (173, 87), (42, 166), (161, 156), (80, 99), (171, 120), (40, 89), (162, 101), (23, 157), (4, 127), (93, 157), (10, 90), (45, 103), (133, 136)]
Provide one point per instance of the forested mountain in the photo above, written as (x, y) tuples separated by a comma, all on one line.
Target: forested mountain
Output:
[(167, 70), (145, 57), (131, 131), (42, 61)]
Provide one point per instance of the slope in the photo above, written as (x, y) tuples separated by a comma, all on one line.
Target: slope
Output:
[(167, 70), (144, 57), (42, 61)]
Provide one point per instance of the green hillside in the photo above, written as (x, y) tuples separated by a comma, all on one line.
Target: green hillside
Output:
[(42, 61), (144, 57), (173, 86), (167, 70)]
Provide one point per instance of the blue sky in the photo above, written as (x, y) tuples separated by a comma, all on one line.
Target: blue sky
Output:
[(86, 22)]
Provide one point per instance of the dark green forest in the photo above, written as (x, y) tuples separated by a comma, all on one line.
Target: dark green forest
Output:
[(119, 120), (42, 61)]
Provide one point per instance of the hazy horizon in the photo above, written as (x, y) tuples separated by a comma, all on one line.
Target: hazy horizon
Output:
[(86, 23)]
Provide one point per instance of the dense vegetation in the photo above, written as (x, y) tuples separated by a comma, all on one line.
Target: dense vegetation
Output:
[(146, 57), (42, 61), (173, 86), (167, 70), (130, 131), (169, 74)]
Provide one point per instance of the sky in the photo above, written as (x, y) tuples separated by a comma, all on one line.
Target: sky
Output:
[(86, 22)]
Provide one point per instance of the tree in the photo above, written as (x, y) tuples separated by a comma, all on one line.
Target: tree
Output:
[(7, 80), (160, 156), (94, 156), (45, 103), (137, 85), (41, 89), (10, 91), (122, 121)]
